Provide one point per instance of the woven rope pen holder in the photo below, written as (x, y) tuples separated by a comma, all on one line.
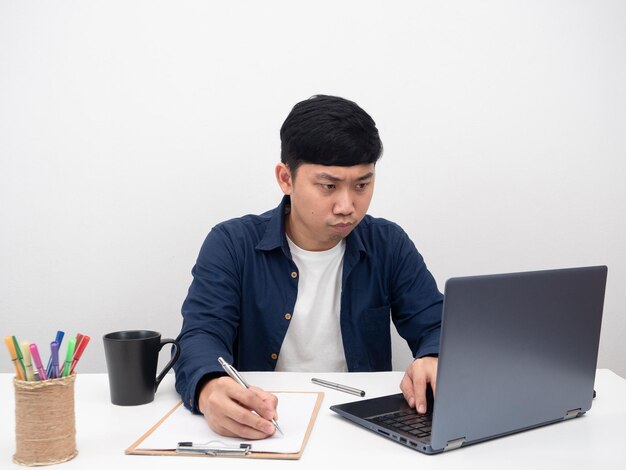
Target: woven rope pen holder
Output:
[(45, 427)]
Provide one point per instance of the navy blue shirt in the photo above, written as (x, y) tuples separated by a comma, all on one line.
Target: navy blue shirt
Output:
[(245, 284)]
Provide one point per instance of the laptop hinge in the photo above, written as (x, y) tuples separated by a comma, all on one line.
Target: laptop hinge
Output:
[(572, 413), (454, 444)]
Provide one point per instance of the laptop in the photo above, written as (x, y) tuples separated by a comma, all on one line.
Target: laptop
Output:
[(518, 351)]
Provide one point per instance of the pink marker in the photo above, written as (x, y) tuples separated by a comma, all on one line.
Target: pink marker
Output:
[(34, 352)]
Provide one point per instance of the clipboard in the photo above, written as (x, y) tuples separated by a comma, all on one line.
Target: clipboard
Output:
[(181, 433)]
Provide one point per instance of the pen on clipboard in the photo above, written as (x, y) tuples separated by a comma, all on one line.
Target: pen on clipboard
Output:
[(212, 448), (232, 372), (340, 387)]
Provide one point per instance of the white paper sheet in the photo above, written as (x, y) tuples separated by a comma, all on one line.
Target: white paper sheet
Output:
[(294, 414)]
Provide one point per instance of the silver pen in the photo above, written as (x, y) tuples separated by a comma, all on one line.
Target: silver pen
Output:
[(233, 374), (341, 388)]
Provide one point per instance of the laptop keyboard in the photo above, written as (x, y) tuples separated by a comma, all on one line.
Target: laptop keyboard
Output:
[(408, 421)]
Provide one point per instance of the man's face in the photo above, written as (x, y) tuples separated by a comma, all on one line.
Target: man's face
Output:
[(327, 202)]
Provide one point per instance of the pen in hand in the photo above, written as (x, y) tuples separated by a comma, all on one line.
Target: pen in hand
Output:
[(233, 374)]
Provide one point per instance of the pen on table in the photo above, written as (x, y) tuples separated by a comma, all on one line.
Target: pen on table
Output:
[(340, 387), (79, 351), (59, 340), (71, 345), (232, 372), (8, 340), (28, 365), (54, 358), (34, 352)]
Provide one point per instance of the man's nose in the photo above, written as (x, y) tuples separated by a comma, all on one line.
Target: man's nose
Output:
[(343, 204)]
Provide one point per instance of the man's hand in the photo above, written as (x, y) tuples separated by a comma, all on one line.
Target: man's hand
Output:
[(232, 410), (421, 372)]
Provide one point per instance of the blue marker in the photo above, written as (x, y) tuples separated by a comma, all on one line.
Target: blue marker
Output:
[(58, 340), (54, 359)]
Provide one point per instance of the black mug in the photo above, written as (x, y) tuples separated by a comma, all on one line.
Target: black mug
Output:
[(131, 358)]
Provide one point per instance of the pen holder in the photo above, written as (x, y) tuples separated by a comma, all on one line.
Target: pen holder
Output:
[(45, 429)]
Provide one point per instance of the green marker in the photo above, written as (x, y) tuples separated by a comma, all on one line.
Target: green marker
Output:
[(20, 358), (68, 357)]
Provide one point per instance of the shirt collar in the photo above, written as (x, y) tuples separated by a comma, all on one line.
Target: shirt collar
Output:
[(274, 236)]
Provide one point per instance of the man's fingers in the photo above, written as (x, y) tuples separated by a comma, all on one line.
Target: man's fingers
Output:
[(419, 390), (414, 384), (233, 419), (233, 428), (232, 410), (270, 404), (254, 408), (406, 386), (245, 419)]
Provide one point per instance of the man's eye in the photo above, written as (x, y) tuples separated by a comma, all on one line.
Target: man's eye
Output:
[(328, 187), (362, 186)]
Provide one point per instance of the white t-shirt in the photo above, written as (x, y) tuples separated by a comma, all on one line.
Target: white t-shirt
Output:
[(313, 340)]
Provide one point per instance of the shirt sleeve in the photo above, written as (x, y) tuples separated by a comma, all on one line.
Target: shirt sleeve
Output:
[(416, 302), (210, 315)]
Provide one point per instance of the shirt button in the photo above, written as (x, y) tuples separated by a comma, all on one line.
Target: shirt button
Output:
[(294, 274), (274, 356), (287, 316)]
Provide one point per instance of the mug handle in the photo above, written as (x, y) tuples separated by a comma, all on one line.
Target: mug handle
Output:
[(169, 365)]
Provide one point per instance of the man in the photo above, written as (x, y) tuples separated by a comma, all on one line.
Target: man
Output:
[(310, 285)]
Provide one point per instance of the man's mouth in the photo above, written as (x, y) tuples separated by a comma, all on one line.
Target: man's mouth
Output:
[(343, 227)]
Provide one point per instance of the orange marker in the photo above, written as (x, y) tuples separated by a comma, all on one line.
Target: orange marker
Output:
[(8, 340)]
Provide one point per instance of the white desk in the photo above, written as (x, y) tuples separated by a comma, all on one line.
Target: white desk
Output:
[(595, 440)]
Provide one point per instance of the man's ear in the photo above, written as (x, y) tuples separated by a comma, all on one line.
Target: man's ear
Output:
[(284, 179)]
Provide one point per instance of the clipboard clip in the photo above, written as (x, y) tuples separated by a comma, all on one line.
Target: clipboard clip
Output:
[(212, 448)]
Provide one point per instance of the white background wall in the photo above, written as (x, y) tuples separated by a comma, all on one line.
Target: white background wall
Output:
[(129, 128)]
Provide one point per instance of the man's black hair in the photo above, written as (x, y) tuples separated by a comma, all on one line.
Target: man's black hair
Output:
[(329, 130)]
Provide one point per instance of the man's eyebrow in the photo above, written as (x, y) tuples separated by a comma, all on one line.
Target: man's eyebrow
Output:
[(366, 176), (328, 177)]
